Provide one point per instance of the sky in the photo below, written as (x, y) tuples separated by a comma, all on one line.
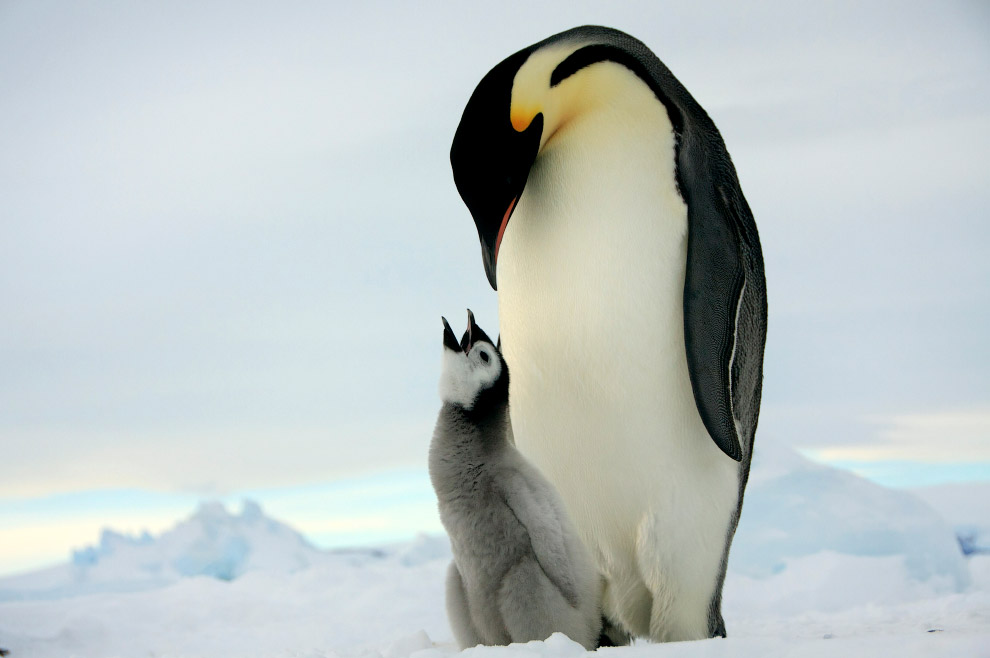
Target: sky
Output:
[(228, 230)]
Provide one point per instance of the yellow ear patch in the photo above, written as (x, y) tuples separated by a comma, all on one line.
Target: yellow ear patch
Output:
[(531, 93)]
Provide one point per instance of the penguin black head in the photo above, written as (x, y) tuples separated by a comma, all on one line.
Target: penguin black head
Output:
[(475, 376), (520, 105), (491, 159)]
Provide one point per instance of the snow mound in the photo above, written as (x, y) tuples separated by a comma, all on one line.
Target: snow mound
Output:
[(967, 507), (212, 542), (795, 509), (557, 645), (423, 549)]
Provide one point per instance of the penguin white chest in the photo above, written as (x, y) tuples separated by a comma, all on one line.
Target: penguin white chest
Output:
[(590, 284)]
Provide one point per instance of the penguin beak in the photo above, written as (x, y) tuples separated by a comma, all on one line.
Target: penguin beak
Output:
[(449, 340), (470, 333), (501, 232), (473, 334)]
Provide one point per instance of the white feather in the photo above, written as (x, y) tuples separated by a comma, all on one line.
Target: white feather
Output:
[(463, 376), (732, 357)]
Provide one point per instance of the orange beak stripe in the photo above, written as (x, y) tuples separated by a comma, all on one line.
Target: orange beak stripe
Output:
[(501, 229)]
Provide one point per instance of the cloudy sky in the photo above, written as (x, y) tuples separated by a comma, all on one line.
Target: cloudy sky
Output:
[(228, 230)]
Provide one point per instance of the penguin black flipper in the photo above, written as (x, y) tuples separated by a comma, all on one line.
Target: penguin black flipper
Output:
[(724, 287), (725, 305)]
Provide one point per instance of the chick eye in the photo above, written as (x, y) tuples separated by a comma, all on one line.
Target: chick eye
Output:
[(484, 356)]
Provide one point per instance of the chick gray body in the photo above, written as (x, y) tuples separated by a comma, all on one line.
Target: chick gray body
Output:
[(520, 572)]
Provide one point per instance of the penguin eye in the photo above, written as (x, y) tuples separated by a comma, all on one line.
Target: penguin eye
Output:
[(484, 356)]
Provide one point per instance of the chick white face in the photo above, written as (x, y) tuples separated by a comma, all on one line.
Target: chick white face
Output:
[(469, 367), (464, 375)]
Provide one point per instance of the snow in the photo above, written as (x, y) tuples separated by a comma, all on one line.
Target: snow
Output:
[(795, 508), (967, 507), (824, 563), (211, 543)]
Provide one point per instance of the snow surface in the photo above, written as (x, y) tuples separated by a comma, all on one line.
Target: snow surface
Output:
[(825, 563)]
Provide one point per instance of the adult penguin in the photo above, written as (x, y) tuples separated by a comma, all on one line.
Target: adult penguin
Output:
[(632, 306)]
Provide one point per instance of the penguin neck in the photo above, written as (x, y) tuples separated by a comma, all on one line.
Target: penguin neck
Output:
[(466, 444), (484, 425)]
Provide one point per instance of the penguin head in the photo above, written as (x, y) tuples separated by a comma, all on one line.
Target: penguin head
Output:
[(519, 107), (474, 375)]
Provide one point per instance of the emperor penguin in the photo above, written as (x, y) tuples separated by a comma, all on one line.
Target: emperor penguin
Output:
[(520, 572), (632, 305)]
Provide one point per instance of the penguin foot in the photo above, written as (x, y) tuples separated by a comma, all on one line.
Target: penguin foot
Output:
[(612, 635)]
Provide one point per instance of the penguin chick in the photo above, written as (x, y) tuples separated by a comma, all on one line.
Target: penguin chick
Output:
[(519, 572)]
